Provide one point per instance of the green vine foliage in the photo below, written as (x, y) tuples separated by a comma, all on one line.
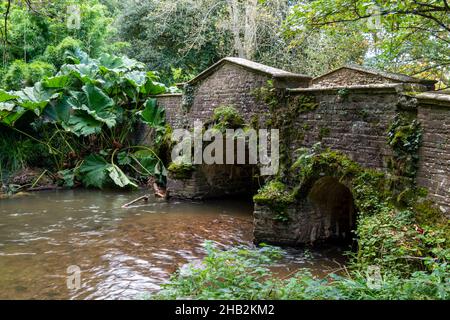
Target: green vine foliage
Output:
[(268, 95), (404, 136), (226, 117), (400, 241), (282, 113), (188, 97)]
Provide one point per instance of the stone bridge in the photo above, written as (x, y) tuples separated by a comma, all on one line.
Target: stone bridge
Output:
[(349, 109)]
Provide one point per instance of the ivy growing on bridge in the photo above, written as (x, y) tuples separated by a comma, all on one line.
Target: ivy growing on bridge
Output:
[(388, 236), (404, 136)]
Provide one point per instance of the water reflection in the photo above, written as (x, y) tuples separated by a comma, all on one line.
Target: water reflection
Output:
[(122, 253)]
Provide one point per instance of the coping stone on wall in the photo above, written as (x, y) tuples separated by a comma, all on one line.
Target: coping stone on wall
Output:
[(283, 79), (388, 77), (439, 98), (370, 88)]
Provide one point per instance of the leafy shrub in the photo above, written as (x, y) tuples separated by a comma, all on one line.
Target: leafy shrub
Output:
[(14, 78), (244, 273), (277, 196), (234, 274), (57, 54), (84, 116), (21, 74), (37, 70), (227, 117)]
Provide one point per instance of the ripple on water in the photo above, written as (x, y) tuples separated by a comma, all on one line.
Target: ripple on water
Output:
[(121, 253)]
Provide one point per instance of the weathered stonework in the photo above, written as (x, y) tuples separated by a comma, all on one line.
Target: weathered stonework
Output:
[(214, 181), (358, 75), (229, 85), (326, 213), (355, 124), (230, 82), (351, 112), (172, 104), (348, 77), (434, 164)]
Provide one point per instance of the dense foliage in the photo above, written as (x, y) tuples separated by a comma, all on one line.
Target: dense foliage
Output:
[(32, 29), (190, 35), (86, 116), (407, 36), (244, 273)]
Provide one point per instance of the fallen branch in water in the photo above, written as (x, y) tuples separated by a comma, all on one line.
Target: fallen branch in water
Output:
[(145, 198)]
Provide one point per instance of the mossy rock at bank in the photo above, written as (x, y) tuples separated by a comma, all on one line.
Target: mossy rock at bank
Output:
[(181, 171), (276, 196)]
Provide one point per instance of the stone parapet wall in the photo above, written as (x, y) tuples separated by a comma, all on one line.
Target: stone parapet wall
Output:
[(348, 77), (434, 163), (229, 85), (172, 104), (354, 121)]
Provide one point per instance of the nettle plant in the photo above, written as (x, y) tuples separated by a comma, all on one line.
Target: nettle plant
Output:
[(86, 116)]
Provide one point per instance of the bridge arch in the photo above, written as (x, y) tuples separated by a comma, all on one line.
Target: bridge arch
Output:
[(321, 198), (333, 208)]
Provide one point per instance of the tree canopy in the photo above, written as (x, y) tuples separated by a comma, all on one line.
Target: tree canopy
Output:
[(407, 36)]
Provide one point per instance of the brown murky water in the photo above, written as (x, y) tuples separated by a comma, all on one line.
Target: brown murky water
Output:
[(122, 253)]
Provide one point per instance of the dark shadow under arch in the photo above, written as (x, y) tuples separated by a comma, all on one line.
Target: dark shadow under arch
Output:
[(334, 209)]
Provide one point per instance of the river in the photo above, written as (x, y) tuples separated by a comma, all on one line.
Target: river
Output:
[(122, 253)]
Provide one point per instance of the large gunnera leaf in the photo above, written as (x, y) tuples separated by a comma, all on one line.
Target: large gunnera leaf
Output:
[(152, 87), (9, 110), (93, 108), (119, 178), (35, 98), (10, 113), (7, 96), (58, 111), (86, 73), (83, 125), (117, 64), (14, 104), (62, 81), (95, 171), (153, 115)]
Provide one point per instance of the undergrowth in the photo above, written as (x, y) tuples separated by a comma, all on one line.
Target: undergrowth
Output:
[(244, 273)]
